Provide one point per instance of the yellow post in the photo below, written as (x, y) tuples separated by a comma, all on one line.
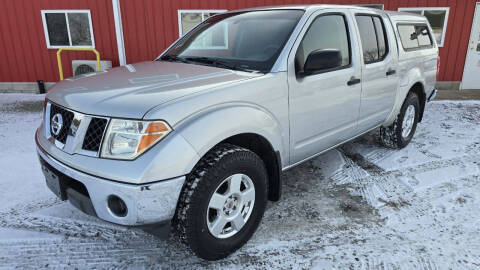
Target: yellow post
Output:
[(59, 58)]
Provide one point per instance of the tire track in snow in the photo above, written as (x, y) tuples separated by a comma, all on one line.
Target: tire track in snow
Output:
[(25, 217), (375, 183), (428, 227)]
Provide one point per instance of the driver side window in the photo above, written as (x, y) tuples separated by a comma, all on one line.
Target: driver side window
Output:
[(325, 32)]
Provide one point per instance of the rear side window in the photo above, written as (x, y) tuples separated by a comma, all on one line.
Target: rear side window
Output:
[(423, 35), (414, 37), (407, 35), (373, 37), (381, 38)]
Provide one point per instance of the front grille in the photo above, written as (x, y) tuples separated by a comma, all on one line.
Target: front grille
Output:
[(85, 132), (67, 118), (94, 134)]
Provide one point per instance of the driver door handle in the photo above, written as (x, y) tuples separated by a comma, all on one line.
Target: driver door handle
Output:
[(353, 81), (391, 72)]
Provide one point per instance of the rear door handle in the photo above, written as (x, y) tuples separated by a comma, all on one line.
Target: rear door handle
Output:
[(353, 81), (391, 72)]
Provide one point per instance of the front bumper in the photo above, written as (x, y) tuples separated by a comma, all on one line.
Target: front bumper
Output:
[(146, 203)]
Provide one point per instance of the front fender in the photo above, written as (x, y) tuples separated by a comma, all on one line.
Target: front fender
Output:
[(213, 125)]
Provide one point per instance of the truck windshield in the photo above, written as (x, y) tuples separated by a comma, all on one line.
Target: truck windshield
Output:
[(248, 41)]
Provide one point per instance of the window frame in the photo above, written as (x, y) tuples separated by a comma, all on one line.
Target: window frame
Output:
[(66, 11), (387, 44), (347, 29), (420, 47), (422, 9), (202, 11)]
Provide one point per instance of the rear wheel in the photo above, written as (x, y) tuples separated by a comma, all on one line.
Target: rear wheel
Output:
[(401, 132), (222, 202)]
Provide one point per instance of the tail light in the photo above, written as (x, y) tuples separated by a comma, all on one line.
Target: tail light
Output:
[(438, 65)]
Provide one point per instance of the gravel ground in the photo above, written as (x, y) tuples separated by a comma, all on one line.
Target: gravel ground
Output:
[(360, 206)]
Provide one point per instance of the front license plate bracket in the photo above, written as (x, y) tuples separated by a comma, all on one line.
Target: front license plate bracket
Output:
[(54, 183)]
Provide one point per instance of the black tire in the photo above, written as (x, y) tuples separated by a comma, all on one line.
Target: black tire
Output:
[(190, 221), (392, 136)]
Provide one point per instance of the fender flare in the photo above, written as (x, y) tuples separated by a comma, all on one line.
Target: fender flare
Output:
[(228, 120), (414, 76)]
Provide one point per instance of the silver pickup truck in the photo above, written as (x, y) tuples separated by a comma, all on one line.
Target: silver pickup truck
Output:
[(201, 135)]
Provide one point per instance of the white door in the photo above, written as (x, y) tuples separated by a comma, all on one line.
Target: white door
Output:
[(471, 78)]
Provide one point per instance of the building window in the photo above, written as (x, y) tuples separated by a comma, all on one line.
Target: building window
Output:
[(68, 28), (377, 6), (214, 38), (188, 19), (438, 18)]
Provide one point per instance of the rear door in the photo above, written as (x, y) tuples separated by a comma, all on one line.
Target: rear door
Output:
[(323, 106), (471, 73), (379, 68)]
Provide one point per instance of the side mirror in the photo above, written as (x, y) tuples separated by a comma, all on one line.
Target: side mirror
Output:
[(320, 60)]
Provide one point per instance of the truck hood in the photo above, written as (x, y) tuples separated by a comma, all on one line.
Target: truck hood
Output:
[(130, 91)]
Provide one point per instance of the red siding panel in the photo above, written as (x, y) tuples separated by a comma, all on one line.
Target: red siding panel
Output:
[(150, 26), (23, 49), (462, 43), (146, 35)]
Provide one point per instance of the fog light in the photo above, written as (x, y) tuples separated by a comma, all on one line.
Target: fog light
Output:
[(117, 206)]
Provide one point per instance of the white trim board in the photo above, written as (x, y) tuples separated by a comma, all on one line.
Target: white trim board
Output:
[(117, 16)]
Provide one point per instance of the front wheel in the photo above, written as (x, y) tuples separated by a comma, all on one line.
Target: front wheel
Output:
[(222, 202), (401, 132)]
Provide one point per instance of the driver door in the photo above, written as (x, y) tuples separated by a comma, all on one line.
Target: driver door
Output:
[(324, 106)]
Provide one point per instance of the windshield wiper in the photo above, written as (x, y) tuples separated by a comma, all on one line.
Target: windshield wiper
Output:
[(173, 58), (218, 63)]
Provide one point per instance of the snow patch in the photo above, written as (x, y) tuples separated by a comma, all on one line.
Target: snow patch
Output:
[(437, 176), (338, 211), (330, 162), (11, 236)]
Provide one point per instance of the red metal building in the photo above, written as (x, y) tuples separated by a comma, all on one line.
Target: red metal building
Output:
[(128, 31)]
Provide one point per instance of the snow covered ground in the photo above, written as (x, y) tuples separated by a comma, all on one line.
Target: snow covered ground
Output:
[(360, 206)]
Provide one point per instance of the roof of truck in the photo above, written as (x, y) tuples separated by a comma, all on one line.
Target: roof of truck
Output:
[(405, 16), (398, 16), (303, 7)]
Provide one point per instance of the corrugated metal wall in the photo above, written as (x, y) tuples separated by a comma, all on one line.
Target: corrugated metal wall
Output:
[(149, 26), (24, 56)]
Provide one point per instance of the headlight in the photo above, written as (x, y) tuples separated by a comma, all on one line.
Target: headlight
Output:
[(126, 139)]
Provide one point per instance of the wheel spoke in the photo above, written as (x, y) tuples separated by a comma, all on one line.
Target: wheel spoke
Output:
[(238, 222), (235, 182), (248, 195), (217, 201), (229, 210), (408, 121), (217, 226)]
